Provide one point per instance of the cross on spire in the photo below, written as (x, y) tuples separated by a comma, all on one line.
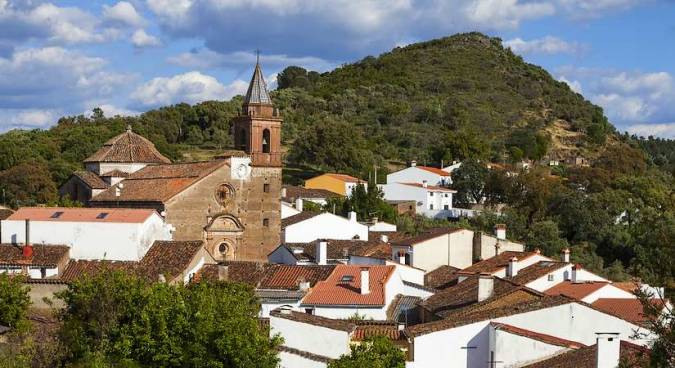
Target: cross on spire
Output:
[(257, 56)]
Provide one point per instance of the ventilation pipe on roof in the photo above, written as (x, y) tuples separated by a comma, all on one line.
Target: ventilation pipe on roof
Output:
[(425, 184), (413, 163), (486, 285), (322, 252), (384, 238), (283, 192), (352, 216), (498, 247), (608, 350), (27, 249), (512, 268), (500, 231), (303, 285), (298, 204), (365, 281), (575, 273), (566, 255)]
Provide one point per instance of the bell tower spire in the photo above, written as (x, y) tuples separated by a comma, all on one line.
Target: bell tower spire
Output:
[(257, 131)]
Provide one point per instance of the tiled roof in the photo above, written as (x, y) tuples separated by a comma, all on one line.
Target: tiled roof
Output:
[(426, 235), (288, 277), (576, 290), (496, 263), (246, 272), (116, 174), (78, 268), (403, 309), (5, 213), (340, 249), (392, 236), (278, 296), (92, 180), (517, 302), (305, 354), (158, 183), (366, 329), (346, 178), (463, 294), (434, 188), (169, 258), (302, 216), (633, 356), (128, 147), (434, 170), (310, 319), (343, 287), (81, 214), (43, 255), (630, 310), (548, 339), (537, 270), (629, 286), (293, 192), (257, 89), (442, 277)]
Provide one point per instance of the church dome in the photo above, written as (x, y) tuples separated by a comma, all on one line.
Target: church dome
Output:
[(128, 147)]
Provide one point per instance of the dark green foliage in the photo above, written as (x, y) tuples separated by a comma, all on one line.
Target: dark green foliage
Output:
[(120, 320), (14, 301), (368, 203), (296, 77), (377, 352), (469, 181)]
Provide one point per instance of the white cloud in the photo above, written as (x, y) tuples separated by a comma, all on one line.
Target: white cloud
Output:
[(574, 85), (655, 84), (123, 12), (191, 87), (506, 13), (109, 110), (583, 9), (623, 108), (666, 130), (206, 59), (33, 118), (141, 39), (65, 24), (548, 45)]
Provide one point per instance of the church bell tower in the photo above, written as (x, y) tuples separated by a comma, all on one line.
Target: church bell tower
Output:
[(257, 131)]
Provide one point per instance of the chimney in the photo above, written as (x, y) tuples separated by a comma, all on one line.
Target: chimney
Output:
[(425, 184), (384, 238), (223, 272), (575, 269), (566, 255), (486, 285), (413, 163), (498, 248), (27, 249), (512, 268), (537, 251), (500, 231), (401, 257), (365, 281), (608, 350), (303, 285), (161, 277), (298, 204), (321, 255), (352, 216), (283, 192)]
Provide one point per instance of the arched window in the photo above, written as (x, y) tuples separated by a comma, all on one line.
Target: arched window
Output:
[(224, 193), (266, 141), (242, 139), (223, 248)]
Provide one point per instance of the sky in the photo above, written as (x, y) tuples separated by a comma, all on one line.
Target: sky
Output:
[(68, 57)]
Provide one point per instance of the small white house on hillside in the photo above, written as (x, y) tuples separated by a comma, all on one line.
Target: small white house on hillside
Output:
[(306, 227), (420, 174), (118, 234), (435, 248), (431, 200)]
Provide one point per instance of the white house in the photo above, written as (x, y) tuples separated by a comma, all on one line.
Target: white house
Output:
[(119, 234), (306, 227), (435, 248), (431, 200), (381, 226), (420, 174), (36, 262), (288, 210)]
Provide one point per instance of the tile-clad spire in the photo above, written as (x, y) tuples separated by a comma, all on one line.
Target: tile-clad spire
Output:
[(257, 90)]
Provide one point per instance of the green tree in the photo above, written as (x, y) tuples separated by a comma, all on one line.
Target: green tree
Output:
[(27, 184), (469, 181), (376, 352), (121, 320), (367, 202), (14, 301)]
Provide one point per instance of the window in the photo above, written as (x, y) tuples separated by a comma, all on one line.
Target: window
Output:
[(43, 273), (266, 222), (446, 207), (347, 278), (224, 193), (431, 194), (266, 141), (309, 310), (266, 188), (431, 206), (102, 215), (551, 277), (57, 214), (242, 139), (446, 196)]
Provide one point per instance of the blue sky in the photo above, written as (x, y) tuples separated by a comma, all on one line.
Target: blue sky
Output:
[(67, 57)]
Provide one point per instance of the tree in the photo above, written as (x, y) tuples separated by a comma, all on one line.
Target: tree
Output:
[(367, 203), (28, 184), (376, 352), (14, 301), (469, 181), (546, 236), (118, 319)]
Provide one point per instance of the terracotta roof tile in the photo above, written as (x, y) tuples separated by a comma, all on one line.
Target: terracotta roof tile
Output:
[(293, 192), (340, 249), (548, 339), (343, 287), (78, 268), (128, 147), (158, 183), (576, 290), (633, 355), (630, 310), (403, 309), (5, 213), (302, 216), (116, 174), (43, 255), (305, 354), (496, 263), (434, 170), (442, 277), (431, 187), (81, 214), (247, 272), (367, 329), (629, 286), (346, 178), (535, 271), (426, 235), (169, 258), (92, 180), (310, 319), (289, 276)]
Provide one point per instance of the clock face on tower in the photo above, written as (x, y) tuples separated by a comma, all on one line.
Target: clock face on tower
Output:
[(241, 171)]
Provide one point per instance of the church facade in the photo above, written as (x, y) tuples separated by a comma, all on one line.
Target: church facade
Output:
[(233, 202)]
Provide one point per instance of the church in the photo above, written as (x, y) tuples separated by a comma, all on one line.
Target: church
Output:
[(232, 202)]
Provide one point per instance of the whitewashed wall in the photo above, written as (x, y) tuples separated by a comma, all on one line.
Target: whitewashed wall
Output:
[(461, 249), (289, 360), (559, 275), (608, 291), (416, 175), (335, 312), (287, 210), (512, 351), (324, 341), (324, 226), (105, 167)]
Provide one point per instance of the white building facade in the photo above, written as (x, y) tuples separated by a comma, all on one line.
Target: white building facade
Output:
[(325, 226), (431, 201)]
